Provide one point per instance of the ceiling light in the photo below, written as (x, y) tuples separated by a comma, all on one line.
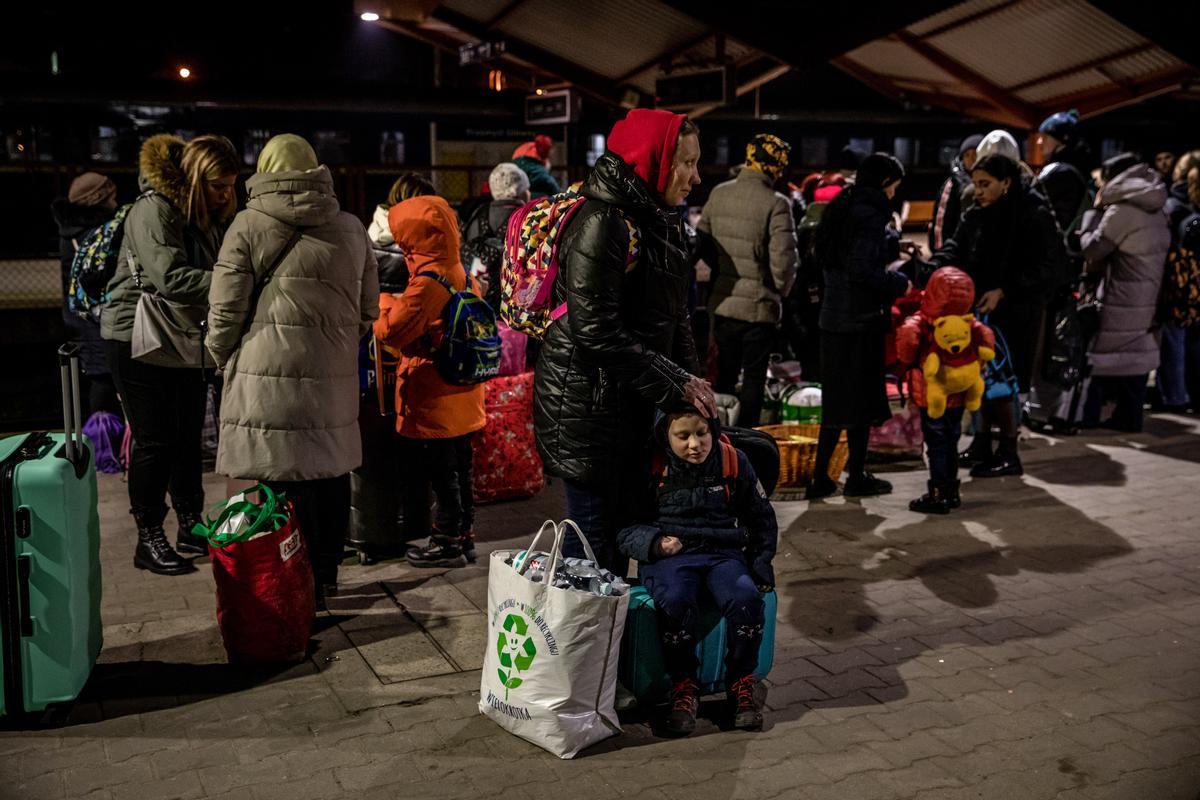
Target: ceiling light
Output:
[(370, 16), (185, 73)]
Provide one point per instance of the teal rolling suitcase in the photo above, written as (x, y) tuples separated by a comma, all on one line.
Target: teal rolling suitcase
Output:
[(50, 632), (641, 668)]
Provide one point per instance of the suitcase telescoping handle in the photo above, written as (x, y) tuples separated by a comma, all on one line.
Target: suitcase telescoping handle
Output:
[(68, 366)]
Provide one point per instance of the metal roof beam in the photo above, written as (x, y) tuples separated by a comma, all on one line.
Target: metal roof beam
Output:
[(1094, 102), (1095, 63), (903, 95), (1027, 114), (599, 86)]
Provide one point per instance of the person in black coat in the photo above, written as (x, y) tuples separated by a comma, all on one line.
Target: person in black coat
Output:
[(1009, 245), (713, 531), (948, 208), (91, 201), (855, 249), (625, 343)]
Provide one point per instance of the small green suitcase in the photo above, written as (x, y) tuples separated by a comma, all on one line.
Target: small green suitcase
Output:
[(50, 632), (641, 667)]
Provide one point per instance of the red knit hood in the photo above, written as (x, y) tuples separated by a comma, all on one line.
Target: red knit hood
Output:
[(949, 291), (645, 140)]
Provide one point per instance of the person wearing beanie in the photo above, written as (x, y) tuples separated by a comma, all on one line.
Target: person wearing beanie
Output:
[(1064, 180), (624, 345), (294, 288), (852, 246), (748, 235), (91, 201), (948, 208), (534, 159), (483, 235)]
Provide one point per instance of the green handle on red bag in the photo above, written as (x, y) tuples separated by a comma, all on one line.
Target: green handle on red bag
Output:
[(264, 514)]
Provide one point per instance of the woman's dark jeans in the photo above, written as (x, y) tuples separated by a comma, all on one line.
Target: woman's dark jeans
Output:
[(165, 410)]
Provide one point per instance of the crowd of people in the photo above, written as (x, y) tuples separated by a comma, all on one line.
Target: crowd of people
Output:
[(287, 288)]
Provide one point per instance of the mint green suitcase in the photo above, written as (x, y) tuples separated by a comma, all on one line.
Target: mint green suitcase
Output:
[(50, 633), (641, 668)]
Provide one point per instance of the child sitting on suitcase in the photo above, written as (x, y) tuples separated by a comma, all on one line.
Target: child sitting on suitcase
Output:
[(713, 533)]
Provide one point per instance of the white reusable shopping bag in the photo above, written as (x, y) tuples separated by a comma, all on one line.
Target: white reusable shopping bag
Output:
[(550, 668)]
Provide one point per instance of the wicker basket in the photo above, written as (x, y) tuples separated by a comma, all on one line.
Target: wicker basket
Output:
[(797, 460)]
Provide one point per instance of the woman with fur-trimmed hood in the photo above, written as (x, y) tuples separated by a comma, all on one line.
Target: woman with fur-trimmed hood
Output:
[(173, 231)]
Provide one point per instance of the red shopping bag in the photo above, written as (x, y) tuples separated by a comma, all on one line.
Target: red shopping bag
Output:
[(265, 595), (506, 461)]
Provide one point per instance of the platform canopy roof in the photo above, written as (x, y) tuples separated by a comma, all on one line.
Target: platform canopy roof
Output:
[(1008, 61)]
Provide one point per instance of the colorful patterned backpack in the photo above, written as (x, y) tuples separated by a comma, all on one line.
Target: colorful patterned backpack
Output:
[(531, 261), (94, 265)]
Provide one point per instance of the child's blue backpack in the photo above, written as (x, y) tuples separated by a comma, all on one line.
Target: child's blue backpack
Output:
[(94, 265), (470, 351)]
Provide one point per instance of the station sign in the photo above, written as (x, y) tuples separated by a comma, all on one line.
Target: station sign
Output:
[(690, 89), (480, 52), (552, 108)]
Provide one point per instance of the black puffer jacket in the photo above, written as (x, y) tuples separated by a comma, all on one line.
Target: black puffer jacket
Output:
[(691, 503), (625, 344), (1011, 245), (73, 222), (855, 249)]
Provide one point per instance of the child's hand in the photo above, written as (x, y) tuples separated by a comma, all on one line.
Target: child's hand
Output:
[(668, 546)]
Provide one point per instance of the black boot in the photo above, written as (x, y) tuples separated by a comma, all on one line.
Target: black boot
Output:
[(185, 541), (155, 553), (821, 486), (952, 495), (934, 501), (865, 485), (1004, 462), (977, 452), (442, 551)]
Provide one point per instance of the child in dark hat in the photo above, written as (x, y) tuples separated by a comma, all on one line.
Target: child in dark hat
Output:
[(713, 527)]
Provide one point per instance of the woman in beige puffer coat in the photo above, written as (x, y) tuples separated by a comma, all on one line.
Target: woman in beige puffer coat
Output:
[(1125, 241), (294, 289)]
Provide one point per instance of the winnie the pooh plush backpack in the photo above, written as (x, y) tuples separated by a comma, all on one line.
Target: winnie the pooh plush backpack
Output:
[(946, 345)]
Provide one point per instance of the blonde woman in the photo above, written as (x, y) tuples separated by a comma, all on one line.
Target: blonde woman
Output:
[(174, 232)]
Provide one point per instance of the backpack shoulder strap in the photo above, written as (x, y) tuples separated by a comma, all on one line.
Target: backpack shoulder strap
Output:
[(729, 466), (434, 276)]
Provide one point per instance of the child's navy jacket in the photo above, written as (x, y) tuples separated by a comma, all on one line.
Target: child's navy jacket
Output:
[(692, 504)]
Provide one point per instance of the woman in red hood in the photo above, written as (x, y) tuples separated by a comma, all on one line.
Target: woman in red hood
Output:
[(625, 344), (435, 419)]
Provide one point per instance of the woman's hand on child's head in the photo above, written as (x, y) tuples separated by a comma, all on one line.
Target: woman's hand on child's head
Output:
[(668, 546), (699, 393)]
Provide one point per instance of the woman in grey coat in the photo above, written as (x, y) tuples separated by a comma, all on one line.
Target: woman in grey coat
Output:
[(1125, 241), (294, 289)]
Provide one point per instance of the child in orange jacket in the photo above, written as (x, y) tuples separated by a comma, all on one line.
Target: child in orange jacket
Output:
[(435, 419)]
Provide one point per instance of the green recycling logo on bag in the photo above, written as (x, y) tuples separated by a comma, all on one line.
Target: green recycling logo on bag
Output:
[(516, 651)]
